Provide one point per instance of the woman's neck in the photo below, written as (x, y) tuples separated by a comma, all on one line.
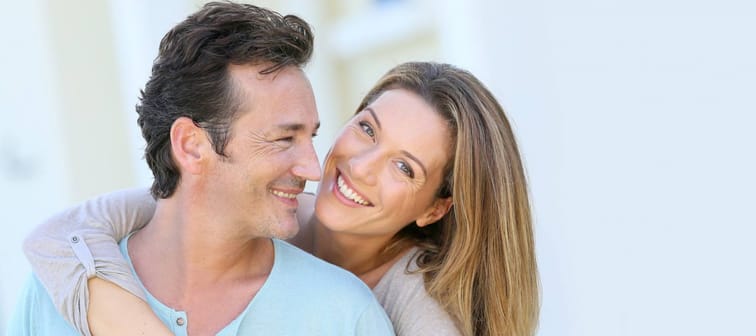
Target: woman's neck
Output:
[(360, 255)]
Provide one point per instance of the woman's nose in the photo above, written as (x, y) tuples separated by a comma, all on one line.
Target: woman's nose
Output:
[(363, 166)]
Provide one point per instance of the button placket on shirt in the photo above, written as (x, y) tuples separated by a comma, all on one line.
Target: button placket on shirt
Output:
[(179, 322)]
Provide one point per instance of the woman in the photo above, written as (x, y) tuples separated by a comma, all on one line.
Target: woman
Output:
[(423, 197)]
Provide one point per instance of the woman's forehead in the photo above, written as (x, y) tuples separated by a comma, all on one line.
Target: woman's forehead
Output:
[(406, 120)]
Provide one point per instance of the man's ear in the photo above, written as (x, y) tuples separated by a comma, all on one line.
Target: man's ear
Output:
[(187, 144), (439, 208)]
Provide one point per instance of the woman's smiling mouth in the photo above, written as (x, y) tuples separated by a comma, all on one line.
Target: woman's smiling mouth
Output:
[(343, 188)]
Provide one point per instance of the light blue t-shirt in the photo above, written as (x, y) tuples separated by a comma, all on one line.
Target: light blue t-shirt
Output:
[(303, 295)]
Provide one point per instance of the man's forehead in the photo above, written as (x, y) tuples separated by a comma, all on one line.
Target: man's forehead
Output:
[(277, 102)]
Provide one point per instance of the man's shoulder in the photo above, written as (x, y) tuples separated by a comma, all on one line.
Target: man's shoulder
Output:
[(35, 313), (303, 267), (322, 298), (302, 263)]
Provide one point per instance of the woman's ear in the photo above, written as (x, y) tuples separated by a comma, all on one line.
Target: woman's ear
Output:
[(439, 208), (187, 142)]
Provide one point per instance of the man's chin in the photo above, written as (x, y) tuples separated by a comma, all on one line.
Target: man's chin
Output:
[(287, 231)]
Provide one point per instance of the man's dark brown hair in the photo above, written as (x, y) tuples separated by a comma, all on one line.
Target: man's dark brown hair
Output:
[(190, 75)]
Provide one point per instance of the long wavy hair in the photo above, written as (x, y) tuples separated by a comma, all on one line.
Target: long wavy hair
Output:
[(478, 261)]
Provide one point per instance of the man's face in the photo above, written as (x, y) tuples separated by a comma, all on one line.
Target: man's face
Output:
[(269, 155)]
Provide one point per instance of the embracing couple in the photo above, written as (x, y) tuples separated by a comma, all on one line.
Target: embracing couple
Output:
[(421, 224)]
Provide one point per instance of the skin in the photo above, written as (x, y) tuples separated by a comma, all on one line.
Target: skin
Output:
[(105, 317), (207, 250), (392, 155)]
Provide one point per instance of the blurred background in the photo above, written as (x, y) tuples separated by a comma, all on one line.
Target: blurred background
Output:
[(635, 119)]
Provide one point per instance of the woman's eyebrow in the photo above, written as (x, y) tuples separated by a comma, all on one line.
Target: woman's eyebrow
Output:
[(377, 122), (419, 163)]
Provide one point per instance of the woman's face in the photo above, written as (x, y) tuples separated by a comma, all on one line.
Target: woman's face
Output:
[(385, 167)]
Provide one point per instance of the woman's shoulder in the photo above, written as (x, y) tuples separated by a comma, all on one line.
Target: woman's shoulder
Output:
[(413, 311), (402, 280)]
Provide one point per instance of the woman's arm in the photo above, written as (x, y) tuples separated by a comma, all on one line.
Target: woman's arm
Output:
[(82, 243), (114, 312)]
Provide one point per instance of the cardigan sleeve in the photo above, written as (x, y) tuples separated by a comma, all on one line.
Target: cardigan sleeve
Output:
[(82, 242)]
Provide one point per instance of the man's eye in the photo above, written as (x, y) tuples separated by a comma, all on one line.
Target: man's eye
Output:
[(367, 129), (405, 168), (285, 139)]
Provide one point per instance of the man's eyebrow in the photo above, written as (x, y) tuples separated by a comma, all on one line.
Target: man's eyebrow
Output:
[(377, 122), (419, 163), (291, 126), (294, 127)]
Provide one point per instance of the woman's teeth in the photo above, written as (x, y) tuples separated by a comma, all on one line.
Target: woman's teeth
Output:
[(349, 193)]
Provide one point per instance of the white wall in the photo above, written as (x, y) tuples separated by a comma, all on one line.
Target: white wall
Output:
[(636, 121), (31, 177)]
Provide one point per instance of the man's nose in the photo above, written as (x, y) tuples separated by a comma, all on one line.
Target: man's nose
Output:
[(307, 166)]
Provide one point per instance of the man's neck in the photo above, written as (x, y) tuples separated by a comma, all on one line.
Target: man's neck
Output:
[(187, 262)]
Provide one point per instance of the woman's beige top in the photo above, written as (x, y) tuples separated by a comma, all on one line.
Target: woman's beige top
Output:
[(412, 311)]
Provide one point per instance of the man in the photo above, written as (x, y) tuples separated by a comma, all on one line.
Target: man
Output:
[(228, 116)]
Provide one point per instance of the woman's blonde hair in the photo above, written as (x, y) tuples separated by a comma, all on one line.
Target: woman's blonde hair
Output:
[(478, 260)]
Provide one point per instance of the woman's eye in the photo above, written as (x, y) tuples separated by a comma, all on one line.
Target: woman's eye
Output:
[(367, 129), (405, 168)]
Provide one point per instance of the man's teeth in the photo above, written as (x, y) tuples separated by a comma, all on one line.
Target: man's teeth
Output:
[(283, 194), (349, 193)]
